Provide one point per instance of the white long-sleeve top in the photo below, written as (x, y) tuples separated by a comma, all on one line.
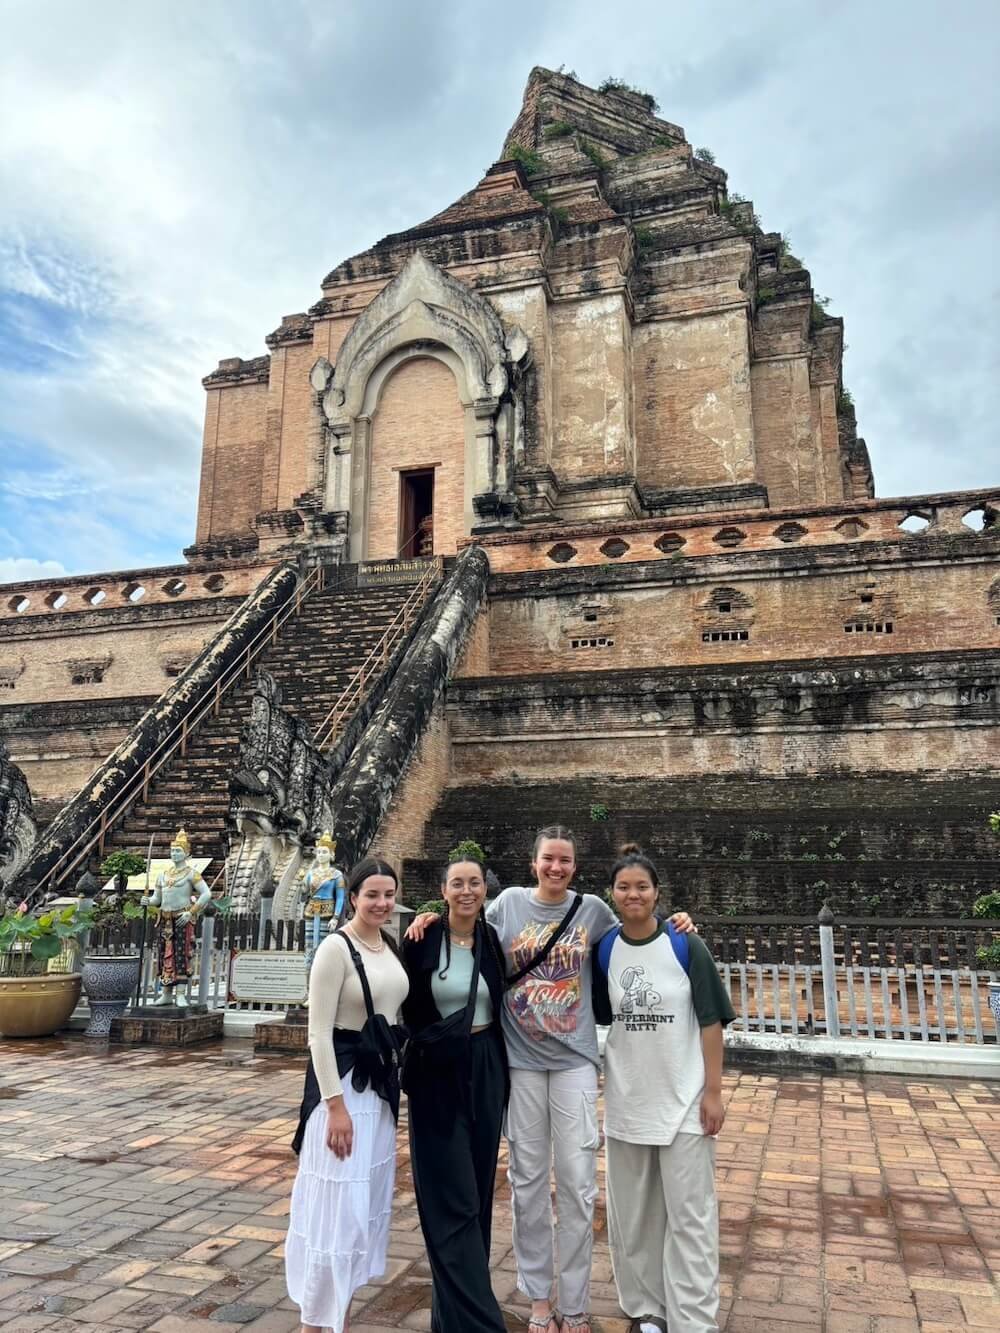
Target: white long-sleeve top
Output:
[(337, 1000)]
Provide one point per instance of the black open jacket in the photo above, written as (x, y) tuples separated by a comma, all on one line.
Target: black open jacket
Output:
[(421, 958)]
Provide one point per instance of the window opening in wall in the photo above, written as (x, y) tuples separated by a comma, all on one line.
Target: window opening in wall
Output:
[(416, 513), (868, 627), (19, 603), (867, 597), (726, 636), (724, 606), (88, 676), (590, 616), (592, 643)]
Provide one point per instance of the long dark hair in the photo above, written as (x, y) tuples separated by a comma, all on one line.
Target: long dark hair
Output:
[(631, 854), (461, 858)]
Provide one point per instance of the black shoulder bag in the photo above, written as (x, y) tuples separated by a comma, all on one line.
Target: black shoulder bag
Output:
[(549, 944)]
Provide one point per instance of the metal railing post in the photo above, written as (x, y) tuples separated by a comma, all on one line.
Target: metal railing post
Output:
[(826, 920), (205, 958)]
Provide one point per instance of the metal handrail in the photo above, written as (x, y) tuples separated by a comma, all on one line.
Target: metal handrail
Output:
[(352, 693), (97, 830)]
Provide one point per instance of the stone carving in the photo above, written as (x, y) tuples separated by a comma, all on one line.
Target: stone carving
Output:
[(277, 797), (18, 830)]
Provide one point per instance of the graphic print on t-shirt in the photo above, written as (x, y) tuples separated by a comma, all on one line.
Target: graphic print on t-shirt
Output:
[(547, 1001), (641, 1006)]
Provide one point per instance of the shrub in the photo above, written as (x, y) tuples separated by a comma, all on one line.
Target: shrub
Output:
[(598, 813), (988, 905), (612, 85), (467, 847), (705, 155), (528, 158), (120, 865), (432, 905), (988, 957), (594, 153), (559, 129)]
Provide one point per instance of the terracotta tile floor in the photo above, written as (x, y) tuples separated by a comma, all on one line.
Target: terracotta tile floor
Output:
[(148, 1190)]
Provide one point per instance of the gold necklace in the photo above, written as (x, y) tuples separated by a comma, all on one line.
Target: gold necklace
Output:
[(372, 948), (463, 941)]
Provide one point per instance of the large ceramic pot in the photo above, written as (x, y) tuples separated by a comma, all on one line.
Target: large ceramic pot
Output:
[(108, 982), (37, 1006)]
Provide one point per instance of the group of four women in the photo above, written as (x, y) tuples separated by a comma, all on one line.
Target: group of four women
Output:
[(500, 1012)]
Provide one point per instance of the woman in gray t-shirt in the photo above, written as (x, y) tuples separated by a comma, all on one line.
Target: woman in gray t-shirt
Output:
[(551, 1039)]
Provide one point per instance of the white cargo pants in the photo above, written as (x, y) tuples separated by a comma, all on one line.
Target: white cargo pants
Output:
[(552, 1121)]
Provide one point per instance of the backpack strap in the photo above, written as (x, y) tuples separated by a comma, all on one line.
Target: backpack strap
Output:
[(682, 949), (604, 946)]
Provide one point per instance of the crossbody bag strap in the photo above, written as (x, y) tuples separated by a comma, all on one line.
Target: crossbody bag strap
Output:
[(356, 959), (470, 1007), (549, 944)]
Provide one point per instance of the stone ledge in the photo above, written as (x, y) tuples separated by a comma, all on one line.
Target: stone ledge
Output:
[(150, 1029)]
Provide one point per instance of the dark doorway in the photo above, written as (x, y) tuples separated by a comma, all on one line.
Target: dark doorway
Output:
[(416, 513)]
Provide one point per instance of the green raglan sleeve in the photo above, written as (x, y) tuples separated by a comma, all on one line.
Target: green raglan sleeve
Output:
[(708, 993)]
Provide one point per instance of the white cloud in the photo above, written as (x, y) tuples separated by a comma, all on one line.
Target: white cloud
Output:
[(21, 569), (176, 179)]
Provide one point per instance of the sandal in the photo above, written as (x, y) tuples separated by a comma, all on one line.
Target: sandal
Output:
[(543, 1323), (574, 1323)]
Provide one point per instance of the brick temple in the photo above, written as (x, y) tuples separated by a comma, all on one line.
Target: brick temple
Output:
[(552, 506)]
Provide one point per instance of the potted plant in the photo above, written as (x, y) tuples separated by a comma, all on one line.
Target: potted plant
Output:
[(111, 970), (35, 1002)]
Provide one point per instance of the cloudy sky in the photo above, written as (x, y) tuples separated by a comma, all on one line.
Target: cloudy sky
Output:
[(177, 176)]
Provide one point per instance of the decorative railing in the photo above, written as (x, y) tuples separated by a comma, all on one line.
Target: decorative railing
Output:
[(378, 659), (884, 981), (93, 836)]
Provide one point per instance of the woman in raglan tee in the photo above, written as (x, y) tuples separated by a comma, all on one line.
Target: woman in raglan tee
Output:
[(662, 996), (551, 1038)]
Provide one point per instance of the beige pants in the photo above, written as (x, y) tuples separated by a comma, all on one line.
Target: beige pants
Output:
[(552, 1124), (663, 1225)]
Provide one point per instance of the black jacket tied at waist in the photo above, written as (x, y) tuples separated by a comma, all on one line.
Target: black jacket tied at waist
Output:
[(370, 1056)]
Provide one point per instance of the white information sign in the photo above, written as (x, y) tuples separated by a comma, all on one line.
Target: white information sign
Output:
[(269, 976)]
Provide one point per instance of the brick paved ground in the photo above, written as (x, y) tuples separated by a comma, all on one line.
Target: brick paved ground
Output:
[(142, 1190)]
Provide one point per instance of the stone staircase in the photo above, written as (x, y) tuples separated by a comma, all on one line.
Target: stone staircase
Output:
[(881, 846), (313, 660)]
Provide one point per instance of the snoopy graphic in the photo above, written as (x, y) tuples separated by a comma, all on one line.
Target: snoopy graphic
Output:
[(639, 994)]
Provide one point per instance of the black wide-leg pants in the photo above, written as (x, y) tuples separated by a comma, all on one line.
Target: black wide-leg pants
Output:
[(454, 1161)]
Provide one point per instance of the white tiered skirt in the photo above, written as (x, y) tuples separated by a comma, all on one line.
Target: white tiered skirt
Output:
[(338, 1229)]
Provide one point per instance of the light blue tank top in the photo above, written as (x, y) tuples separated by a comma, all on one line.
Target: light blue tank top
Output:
[(451, 992)]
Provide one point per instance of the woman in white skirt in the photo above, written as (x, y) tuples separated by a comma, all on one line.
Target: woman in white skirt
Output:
[(338, 1230)]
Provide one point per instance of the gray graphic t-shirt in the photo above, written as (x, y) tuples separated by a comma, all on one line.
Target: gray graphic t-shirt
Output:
[(547, 1017)]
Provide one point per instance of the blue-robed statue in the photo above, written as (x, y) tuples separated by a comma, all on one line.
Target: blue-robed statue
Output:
[(326, 891)]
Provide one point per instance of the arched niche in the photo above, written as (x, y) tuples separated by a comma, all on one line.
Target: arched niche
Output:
[(423, 312)]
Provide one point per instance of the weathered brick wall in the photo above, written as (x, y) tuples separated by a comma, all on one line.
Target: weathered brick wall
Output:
[(233, 453), (555, 625), (58, 745), (694, 425), (419, 423), (402, 832), (784, 432), (293, 426), (590, 372)]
